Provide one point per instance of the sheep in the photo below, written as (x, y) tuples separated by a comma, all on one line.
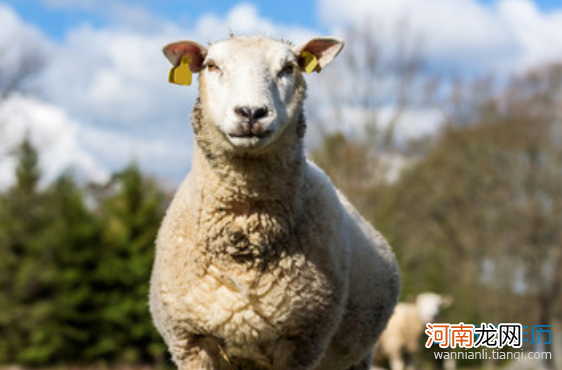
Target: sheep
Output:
[(260, 262), (399, 343)]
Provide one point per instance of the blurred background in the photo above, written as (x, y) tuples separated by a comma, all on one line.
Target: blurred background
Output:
[(441, 120)]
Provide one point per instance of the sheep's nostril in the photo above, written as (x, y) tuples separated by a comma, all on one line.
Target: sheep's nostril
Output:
[(259, 113), (243, 111), (253, 114)]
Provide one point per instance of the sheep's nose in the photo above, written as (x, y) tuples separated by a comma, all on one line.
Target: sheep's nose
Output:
[(253, 114)]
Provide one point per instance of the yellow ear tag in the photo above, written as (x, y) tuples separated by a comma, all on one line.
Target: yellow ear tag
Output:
[(181, 74), (310, 62)]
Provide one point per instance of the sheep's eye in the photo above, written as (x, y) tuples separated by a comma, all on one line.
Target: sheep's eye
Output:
[(212, 66), (287, 70)]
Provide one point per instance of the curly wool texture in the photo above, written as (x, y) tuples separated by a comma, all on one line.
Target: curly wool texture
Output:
[(262, 264)]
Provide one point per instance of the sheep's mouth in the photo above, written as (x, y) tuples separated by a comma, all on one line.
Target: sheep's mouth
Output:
[(249, 130), (249, 135), (249, 140)]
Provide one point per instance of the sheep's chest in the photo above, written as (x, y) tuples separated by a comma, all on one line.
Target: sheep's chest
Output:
[(249, 313), (248, 306), (253, 290)]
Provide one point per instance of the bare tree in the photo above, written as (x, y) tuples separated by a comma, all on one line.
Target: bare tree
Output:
[(17, 78), (483, 211), (20, 63), (479, 214), (534, 105), (379, 78)]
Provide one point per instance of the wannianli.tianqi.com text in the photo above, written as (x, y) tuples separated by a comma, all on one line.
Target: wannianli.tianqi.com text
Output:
[(486, 354)]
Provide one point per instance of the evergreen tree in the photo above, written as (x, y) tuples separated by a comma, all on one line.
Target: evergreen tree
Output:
[(74, 238), (130, 216), (74, 274), (25, 267)]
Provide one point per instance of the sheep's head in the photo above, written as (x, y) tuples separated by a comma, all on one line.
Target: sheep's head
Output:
[(252, 88), (430, 305)]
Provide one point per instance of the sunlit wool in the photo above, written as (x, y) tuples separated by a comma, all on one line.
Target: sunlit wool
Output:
[(261, 263)]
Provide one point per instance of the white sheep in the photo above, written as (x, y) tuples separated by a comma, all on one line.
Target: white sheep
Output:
[(261, 263), (400, 341)]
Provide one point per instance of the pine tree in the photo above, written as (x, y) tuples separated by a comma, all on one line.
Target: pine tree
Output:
[(73, 236), (130, 217), (25, 267), (74, 271)]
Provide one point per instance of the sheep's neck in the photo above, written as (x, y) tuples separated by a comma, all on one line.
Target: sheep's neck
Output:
[(253, 207), (240, 183)]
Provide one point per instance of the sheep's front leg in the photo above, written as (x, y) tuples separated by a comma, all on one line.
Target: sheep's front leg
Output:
[(410, 361), (365, 364), (298, 353), (196, 353), (396, 362)]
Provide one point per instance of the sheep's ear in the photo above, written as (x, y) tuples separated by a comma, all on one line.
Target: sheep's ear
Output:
[(318, 53), (446, 301), (186, 57), (194, 51)]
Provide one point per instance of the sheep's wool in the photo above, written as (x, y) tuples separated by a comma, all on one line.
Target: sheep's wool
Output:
[(261, 263), (400, 341)]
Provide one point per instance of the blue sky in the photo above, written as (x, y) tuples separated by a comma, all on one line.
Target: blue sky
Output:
[(55, 17), (545, 5), (103, 99)]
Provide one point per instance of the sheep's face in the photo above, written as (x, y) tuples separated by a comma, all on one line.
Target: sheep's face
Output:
[(251, 88), (430, 305)]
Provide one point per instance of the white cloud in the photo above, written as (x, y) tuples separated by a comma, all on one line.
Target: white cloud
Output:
[(57, 137), (15, 31), (117, 77), (112, 78), (412, 123), (244, 19), (537, 33), (110, 87), (506, 36), (22, 47), (168, 158), (415, 122), (115, 80)]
